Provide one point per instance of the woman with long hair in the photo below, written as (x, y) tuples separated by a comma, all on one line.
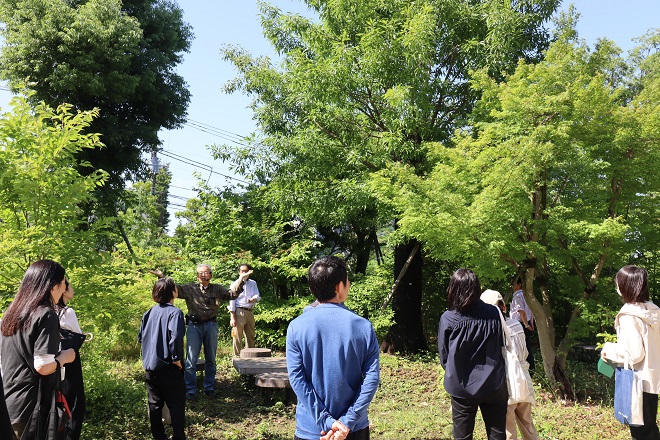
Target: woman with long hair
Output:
[(638, 326), (72, 385), (470, 343), (31, 358)]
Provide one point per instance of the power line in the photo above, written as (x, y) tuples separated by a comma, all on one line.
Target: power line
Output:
[(230, 133), (204, 166), (185, 199), (219, 132), (185, 189)]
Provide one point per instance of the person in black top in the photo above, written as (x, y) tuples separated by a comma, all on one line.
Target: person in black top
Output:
[(5, 424), (72, 385), (31, 359), (470, 345)]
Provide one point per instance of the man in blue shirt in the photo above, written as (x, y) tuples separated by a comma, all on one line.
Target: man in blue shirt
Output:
[(161, 335), (333, 360)]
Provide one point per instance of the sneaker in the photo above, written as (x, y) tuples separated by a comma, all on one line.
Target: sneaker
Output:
[(190, 396), (210, 394)]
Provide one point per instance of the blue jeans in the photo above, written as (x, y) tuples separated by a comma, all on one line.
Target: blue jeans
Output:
[(196, 335)]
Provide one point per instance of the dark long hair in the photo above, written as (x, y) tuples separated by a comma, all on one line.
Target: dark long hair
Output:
[(34, 292), (464, 289)]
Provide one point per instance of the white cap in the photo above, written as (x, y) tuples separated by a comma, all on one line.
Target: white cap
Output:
[(491, 297)]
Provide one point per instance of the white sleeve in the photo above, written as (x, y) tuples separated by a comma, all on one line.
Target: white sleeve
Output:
[(629, 345), (69, 320), (43, 359)]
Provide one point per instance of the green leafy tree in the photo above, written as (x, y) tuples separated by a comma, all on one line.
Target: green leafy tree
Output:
[(144, 217), (232, 227), (366, 86), (116, 56), (41, 188), (555, 178), (225, 228)]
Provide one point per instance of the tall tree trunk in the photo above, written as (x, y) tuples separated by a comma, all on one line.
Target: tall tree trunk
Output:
[(362, 251), (545, 327), (407, 334)]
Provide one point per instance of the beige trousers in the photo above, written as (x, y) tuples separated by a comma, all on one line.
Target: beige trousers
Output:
[(244, 324), (520, 413)]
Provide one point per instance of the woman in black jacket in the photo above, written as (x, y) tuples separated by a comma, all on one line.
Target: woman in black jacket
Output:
[(72, 385), (470, 345)]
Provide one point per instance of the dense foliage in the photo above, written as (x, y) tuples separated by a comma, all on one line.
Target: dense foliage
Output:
[(118, 57), (498, 156), (41, 189), (362, 87)]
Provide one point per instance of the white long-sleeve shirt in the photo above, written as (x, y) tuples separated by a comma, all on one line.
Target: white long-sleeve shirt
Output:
[(250, 291), (518, 303)]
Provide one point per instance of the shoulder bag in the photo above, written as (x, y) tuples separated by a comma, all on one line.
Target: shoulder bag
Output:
[(515, 373), (628, 396)]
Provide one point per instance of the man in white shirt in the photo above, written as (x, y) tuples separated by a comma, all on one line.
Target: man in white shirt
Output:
[(241, 311)]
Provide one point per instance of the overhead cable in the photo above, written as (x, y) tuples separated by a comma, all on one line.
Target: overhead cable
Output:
[(192, 162)]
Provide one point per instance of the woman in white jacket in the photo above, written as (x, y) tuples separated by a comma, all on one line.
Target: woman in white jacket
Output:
[(518, 411), (638, 326)]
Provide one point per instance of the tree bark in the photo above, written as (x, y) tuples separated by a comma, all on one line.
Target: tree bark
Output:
[(362, 251), (407, 334), (545, 326)]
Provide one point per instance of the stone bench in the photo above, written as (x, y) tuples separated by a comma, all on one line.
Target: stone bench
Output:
[(270, 373), (272, 380), (255, 352), (275, 380)]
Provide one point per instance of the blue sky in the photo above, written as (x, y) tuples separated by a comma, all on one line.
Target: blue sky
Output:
[(220, 22)]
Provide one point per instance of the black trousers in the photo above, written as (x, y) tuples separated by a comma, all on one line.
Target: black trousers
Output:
[(166, 386), (73, 389), (649, 430), (493, 410), (360, 434)]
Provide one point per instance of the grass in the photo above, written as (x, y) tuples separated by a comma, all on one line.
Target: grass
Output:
[(410, 404)]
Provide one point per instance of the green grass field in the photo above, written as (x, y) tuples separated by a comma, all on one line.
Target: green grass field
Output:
[(410, 404)]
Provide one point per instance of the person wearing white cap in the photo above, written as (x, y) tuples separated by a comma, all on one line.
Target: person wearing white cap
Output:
[(519, 412)]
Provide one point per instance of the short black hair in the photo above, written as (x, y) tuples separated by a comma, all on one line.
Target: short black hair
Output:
[(324, 275), (633, 283), (163, 290), (464, 289), (238, 268)]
